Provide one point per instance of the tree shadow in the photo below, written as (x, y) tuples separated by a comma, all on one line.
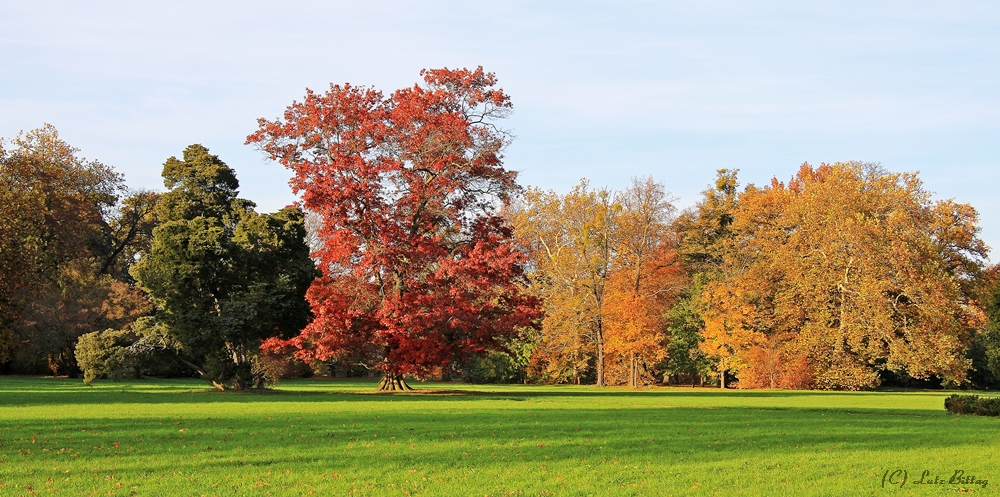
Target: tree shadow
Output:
[(47, 391)]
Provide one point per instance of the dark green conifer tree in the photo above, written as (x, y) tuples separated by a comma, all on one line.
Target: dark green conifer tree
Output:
[(222, 276)]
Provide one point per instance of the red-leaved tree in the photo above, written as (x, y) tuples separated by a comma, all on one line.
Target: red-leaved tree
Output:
[(418, 268)]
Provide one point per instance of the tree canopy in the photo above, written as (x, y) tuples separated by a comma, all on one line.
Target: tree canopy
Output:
[(222, 276), (605, 265), (54, 239), (843, 272), (418, 270)]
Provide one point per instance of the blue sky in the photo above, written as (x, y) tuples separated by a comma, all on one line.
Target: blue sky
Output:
[(605, 91)]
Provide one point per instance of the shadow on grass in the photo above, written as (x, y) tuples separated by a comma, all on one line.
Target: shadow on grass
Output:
[(28, 392)]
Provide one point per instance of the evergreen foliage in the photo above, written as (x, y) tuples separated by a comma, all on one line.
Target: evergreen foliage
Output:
[(223, 277)]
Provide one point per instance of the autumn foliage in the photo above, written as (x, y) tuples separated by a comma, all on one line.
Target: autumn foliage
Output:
[(844, 272), (65, 232), (418, 271), (433, 261), (605, 266)]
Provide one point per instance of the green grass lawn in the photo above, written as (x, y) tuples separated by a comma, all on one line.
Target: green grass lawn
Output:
[(177, 437)]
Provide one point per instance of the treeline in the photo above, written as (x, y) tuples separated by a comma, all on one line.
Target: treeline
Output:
[(414, 253), (70, 231), (99, 280), (847, 276)]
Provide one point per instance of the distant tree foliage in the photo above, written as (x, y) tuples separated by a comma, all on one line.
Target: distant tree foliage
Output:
[(684, 361), (605, 266), (646, 280), (704, 239), (55, 241), (569, 238), (222, 276), (985, 348), (130, 230), (416, 253)]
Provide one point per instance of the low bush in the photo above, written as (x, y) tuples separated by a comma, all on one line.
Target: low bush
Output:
[(973, 404)]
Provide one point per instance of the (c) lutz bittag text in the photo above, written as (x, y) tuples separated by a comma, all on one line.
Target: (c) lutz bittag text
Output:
[(901, 478)]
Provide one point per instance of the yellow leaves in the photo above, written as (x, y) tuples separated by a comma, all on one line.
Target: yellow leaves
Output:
[(849, 266), (605, 269), (569, 240)]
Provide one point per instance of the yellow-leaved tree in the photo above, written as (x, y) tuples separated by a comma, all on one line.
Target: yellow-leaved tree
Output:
[(605, 266), (570, 239), (844, 272)]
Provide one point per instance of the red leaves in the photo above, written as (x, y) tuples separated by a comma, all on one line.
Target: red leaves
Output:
[(418, 269)]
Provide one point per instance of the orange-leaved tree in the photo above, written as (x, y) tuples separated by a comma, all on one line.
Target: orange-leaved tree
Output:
[(704, 240), (646, 279)]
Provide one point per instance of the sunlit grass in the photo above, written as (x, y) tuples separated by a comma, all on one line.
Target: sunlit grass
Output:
[(177, 437)]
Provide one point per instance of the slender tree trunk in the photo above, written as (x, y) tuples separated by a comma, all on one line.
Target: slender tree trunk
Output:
[(633, 371), (600, 358), (393, 383), (722, 378), (600, 353)]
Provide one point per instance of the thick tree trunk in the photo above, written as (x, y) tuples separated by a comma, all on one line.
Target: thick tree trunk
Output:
[(393, 383)]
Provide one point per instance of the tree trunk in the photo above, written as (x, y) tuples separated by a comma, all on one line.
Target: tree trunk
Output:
[(600, 354), (393, 383), (722, 378), (633, 371)]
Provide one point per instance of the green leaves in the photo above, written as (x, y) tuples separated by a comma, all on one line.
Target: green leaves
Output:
[(223, 276)]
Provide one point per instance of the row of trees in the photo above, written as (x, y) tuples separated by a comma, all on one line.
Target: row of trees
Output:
[(844, 272), (70, 231), (842, 277), (112, 281), (423, 257), (431, 256)]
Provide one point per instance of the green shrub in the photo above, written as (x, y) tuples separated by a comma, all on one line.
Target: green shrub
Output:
[(105, 353), (496, 367), (972, 404)]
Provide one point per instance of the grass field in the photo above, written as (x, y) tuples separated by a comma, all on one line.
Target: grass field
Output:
[(311, 437)]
